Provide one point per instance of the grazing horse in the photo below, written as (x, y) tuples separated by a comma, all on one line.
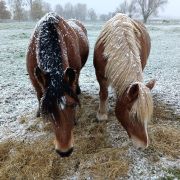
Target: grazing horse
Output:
[(57, 51), (120, 56)]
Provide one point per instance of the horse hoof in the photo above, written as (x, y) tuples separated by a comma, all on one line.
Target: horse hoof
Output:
[(101, 117)]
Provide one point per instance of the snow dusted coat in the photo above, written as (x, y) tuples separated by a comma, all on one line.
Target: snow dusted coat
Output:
[(120, 56), (57, 52)]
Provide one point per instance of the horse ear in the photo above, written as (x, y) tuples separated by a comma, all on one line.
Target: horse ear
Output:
[(151, 84), (70, 75), (133, 91)]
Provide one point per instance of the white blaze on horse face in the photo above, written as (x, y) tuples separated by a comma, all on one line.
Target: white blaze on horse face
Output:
[(145, 126), (138, 143), (62, 104)]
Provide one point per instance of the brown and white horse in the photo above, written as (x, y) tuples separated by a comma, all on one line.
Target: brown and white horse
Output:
[(120, 56), (57, 51)]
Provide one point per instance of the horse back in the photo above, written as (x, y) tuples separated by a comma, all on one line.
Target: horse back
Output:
[(145, 42), (81, 33)]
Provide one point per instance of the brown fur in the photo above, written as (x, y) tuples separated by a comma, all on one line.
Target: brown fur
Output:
[(75, 49), (120, 56)]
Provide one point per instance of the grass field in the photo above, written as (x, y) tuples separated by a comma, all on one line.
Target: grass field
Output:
[(102, 150)]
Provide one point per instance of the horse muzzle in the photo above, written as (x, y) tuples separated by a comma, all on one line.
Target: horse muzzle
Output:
[(66, 153)]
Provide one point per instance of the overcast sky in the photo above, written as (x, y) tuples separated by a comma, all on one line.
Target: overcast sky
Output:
[(171, 10)]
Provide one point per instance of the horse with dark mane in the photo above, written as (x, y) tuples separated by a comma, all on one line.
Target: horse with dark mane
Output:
[(120, 55), (57, 51)]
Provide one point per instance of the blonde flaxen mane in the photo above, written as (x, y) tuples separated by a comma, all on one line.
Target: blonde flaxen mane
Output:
[(122, 51)]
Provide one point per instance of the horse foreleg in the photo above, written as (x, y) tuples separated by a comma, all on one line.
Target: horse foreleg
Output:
[(103, 104), (39, 94)]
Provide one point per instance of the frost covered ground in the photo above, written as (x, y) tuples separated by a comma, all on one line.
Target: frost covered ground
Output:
[(17, 97)]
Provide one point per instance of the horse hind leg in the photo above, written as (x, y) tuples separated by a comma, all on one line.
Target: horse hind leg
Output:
[(103, 104)]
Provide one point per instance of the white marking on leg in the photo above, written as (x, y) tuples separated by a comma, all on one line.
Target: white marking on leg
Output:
[(102, 111)]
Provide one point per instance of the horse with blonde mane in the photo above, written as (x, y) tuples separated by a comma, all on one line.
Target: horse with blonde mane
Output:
[(120, 55), (57, 52)]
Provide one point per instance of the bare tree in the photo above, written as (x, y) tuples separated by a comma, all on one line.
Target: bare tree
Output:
[(128, 8), (80, 11), (59, 10), (18, 10), (68, 10), (106, 17), (37, 9), (92, 15), (150, 7), (46, 7), (28, 3), (4, 13)]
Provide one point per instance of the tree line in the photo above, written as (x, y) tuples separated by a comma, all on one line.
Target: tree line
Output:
[(137, 9), (35, 9)]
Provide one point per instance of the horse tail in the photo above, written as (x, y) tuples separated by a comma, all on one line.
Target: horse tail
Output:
[(49, 55)]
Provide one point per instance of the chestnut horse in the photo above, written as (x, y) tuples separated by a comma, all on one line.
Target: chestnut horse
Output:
[(57, 51), (120, 56)]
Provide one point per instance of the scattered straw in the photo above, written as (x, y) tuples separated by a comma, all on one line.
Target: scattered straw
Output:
[(166, 140), (93, 153), (93, 157)]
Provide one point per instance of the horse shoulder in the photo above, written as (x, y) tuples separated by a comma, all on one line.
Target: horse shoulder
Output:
[(82, 38)]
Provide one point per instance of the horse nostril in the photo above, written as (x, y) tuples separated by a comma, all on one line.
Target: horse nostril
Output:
[(65, 154)]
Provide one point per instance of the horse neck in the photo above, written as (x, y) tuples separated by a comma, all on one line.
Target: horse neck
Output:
[(122, 50), (50, 61), (124, 66)]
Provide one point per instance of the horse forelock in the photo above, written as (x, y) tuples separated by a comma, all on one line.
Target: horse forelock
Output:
[(122, 51), (142, 108)]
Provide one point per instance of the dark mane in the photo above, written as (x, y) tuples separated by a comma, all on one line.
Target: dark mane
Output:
[(49, 55)]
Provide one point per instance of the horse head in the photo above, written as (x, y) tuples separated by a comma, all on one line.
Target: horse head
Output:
[(64, 116), (60, 112), (134, 110)]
